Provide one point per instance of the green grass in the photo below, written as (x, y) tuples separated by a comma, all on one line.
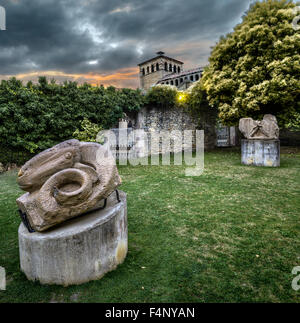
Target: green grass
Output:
[(230, 235)]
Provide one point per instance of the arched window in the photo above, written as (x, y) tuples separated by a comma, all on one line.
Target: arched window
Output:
[(148, 70), (181, 80), (157, 66), (152, 68), (143, 71), (178, 69), (175, 69), (170, 68), (167, 82), (197, 77), (166, 66), (192, 78), (172, 83), (176, 82)]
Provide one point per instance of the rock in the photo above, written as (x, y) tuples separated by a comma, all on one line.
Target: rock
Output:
[(265, 129), (65, 181), (261, 152), (78, 250)]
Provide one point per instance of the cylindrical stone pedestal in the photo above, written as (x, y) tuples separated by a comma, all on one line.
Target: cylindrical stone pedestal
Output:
[(260, 152), (79, 250)]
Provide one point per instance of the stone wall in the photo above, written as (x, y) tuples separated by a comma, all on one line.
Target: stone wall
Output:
[(154, 120), (165, 119)]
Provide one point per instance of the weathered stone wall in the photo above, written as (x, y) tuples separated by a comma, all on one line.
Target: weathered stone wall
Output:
[(154, 120), (167, 119)]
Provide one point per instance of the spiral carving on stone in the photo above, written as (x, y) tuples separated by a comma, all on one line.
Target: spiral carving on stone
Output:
[(65, 181)]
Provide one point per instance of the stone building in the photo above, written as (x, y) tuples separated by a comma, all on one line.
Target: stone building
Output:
[(166, 70), (169, 71), (183, 79)]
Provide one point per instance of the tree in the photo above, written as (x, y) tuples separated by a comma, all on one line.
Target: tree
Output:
[(205, 115), (161, 96), (256, 69)]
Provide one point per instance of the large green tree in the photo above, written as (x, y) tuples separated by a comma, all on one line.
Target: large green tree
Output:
[(256, 69)]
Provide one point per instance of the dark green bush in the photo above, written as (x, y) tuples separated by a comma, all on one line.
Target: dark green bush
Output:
[(161, 96), (37, 116)]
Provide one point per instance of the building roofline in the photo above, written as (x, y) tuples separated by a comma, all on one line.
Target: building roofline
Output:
[(164, 56), (183, 73)]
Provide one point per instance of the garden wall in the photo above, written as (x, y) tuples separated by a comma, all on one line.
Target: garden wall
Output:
[(159, 119)]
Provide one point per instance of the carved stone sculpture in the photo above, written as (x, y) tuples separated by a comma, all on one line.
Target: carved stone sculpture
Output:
[(65, 181), (265, 129)]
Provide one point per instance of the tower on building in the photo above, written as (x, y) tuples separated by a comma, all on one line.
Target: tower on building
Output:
[(155, 69)]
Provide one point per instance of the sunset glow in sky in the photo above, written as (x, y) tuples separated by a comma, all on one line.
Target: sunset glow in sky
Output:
[(101, 41)]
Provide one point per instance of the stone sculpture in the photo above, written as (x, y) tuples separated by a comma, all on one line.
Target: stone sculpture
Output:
[(265, 129), (65, 181)]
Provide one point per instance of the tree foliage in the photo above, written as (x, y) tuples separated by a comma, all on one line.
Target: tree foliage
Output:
[(37, 116), (88, 131), (256, 69), (162, 96)]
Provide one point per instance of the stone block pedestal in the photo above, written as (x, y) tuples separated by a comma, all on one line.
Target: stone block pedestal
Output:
[(80, 249), (260, 152)]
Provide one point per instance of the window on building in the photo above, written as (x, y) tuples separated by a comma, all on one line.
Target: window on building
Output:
[(152, 68), (192, 78), (143, 71), (157, 66), (175, 69), (170, 68), (148, 69), (176, 82), (172, 83), (178, 69), (167, 82), (166, 66), (197, 77), (181, 80)]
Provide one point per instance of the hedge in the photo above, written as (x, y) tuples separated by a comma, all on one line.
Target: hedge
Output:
[(34, 117)]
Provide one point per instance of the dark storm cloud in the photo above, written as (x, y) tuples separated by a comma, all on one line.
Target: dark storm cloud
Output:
[(85, 36)]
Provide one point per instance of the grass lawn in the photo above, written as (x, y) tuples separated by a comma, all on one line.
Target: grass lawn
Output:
[(229, 235)]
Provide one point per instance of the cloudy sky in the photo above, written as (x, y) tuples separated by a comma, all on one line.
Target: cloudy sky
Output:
[(102, 41)]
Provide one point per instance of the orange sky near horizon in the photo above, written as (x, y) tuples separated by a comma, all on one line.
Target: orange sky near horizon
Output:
[(125, 77)]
